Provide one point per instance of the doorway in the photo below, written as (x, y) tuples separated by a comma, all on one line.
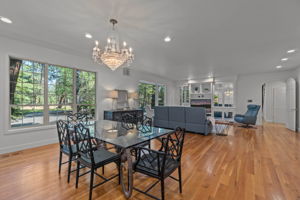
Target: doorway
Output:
[(275, 109), (279, 103)]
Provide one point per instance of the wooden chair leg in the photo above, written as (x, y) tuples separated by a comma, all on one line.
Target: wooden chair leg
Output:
[(77, 173), (179, 176), (59, 162), (162, 184), (69, 168), (103, 170), (91, 184)]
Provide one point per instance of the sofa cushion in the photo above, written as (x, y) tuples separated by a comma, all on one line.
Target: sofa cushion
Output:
[(161, 116), (176, 117), (195, 115)]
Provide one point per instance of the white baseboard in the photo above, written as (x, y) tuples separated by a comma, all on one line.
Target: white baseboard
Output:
[(14, 148)]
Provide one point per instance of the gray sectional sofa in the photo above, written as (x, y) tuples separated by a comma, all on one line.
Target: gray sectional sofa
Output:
[(193, 119)]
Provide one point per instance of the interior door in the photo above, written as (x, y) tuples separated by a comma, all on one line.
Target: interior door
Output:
[(279, 104), (291, 104)]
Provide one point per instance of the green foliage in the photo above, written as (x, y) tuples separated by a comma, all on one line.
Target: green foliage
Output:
[(60, 85), (161, 95), (146, 94), (85, 87), (27, 89)]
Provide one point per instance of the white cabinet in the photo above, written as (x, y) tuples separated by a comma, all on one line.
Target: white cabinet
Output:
[(217, 98), (223, 100), (185, 95)]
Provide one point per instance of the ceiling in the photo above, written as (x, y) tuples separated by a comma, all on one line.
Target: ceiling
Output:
[(209, 37)]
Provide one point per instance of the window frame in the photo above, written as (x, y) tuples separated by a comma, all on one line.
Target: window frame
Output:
[(156, 91), (46, 105)]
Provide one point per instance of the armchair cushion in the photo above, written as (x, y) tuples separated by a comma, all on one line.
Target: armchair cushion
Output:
[(101, 157), (250, 116), (150, 164)]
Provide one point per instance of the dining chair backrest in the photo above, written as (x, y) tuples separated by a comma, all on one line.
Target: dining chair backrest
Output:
[(173, 145), (84, 142), (63, 135), (76, 118), (128, 121)]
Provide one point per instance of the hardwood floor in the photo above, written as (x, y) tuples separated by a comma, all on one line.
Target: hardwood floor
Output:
[(262, 163)]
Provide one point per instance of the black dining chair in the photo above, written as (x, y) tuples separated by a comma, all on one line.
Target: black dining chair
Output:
[(66, 146), (75, 118), (129, 121), (162, 163), (92, 158)]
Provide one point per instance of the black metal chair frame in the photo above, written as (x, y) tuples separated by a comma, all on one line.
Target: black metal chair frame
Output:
[(128, 121), (141, 123), (75, 118), (65, 141), (171, 149), (85, 150)]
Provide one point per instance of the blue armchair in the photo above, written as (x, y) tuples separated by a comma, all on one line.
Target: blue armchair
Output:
[(249, 118)]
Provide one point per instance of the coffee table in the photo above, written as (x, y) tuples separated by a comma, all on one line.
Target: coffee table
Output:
[(222, 127)]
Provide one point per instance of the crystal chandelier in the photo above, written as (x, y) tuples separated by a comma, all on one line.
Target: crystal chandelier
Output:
[(112, 56)]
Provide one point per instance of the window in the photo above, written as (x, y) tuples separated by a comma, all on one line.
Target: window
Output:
[(26, 93), (151, 94), (42, 93), (86, 91), (60, 92), (184, 95), (161, 90)]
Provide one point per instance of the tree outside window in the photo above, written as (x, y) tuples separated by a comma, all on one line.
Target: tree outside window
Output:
[(29, 101), (151, 94)]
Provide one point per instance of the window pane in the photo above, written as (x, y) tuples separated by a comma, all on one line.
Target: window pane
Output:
[(16, 116), (38, 99), (60, 85), (146, 94), (26, 90), (28, 118), (27, 66), (38, 78), (90, 109), (59, 112), (38, 115), (16, 99), (27, 100), (38, 89), (161, 95), (85, 87)]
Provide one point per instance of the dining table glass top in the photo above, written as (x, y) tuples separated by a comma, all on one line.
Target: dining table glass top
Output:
[(124, 135)]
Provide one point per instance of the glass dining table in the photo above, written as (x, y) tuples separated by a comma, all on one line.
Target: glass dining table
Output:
[(125, 137)]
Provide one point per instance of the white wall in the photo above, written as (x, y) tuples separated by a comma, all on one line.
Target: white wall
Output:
[(249, 87), (106, 80)]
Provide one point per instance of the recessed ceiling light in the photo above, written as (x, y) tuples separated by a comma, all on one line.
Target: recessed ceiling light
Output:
[(88, 35), (167, 39), (5, 20), (284, 59), (291, 51), (278, 67)]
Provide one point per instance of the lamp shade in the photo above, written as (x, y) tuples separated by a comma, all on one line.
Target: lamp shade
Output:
[(113, 94), (133, 95)]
